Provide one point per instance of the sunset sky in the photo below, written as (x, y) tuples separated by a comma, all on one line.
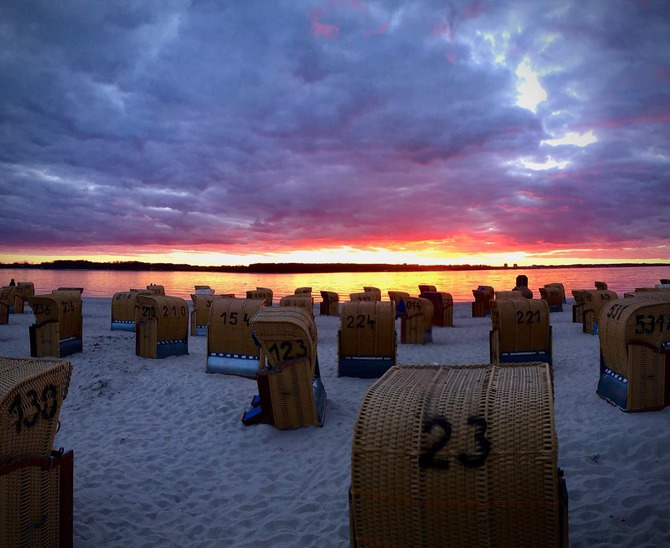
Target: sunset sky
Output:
[(430, 132)]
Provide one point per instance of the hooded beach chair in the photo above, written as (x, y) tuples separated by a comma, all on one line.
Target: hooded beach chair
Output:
[(299, 300), (231, 349), (482, 305), (202, 303), (416, 320), (367, 340), (635, 353), (123, 309), (290, 391), (462, 455), (594, 302), (264, 293), (521, 331), (330, 304), (443, 307), (161, 326), (57, 330), (554, 295), (35, 481)]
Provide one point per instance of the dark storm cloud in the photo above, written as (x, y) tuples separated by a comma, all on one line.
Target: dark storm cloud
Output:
[(196, 123)]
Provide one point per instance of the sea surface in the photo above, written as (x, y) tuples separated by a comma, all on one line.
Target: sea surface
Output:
[(104, 283)]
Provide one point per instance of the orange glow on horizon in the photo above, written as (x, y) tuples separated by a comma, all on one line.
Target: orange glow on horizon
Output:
[(456, 252)]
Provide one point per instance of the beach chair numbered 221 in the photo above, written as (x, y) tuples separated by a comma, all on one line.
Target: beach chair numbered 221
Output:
[(520, 332), (290, 391)]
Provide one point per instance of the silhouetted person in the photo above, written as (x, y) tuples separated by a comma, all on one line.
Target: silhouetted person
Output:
[(12, 283)]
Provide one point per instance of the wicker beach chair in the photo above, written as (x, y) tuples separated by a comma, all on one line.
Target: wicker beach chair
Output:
[(554, 297), (635, 353), (443, 307), (363, 296), (156, 289), (302, 291), (35, 481), (507, 295), (458, 456), (594, 301), (425, 288), (416, 320), (300, 300), (290, 391), (375, 291), (200, 313), (57, 330), (8, 294), (123, 309), (330, 304), (482, 305), (521, 331), (231, 349), (161, 326), (204, 290), (367, 339), (261, 293)]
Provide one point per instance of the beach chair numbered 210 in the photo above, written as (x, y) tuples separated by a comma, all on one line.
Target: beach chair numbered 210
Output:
[(290, 391)]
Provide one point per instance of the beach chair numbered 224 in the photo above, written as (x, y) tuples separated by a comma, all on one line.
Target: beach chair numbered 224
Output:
[(367, 339), (290, 391)]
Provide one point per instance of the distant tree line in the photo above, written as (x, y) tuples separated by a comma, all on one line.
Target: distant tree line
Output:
[(254, 268)]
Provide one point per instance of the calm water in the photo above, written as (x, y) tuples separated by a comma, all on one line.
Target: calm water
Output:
[(460, 284)]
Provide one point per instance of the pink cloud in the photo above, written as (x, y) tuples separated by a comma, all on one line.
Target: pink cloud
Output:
[(322, 30)]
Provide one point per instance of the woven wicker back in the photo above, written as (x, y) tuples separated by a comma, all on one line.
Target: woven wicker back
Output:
[(285, 333), (367, 328), (443, 307), (521, 324), (363, 296), (330, 304), (64, 308), (559, 286), (416, 320), (424, 288), (456, 456), (374, 290), (229, 330), (202, 303), (507, 295), (552, 295), (123, 305), (640, 321), (288, 338), (302, 290), (156, 289), (300, 300), (31, 395), (170, 314), (397, 296), (261, 293), (594, 301)]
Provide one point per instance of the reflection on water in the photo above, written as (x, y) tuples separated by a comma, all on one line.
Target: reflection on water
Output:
[(104, 283)]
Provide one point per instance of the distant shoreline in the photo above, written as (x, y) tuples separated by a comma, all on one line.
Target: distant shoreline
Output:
[(295, 268)]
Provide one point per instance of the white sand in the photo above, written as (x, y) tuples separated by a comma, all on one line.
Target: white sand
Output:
[(162, 458)]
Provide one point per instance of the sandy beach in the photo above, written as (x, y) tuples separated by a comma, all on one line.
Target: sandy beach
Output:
[(163, 459)]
